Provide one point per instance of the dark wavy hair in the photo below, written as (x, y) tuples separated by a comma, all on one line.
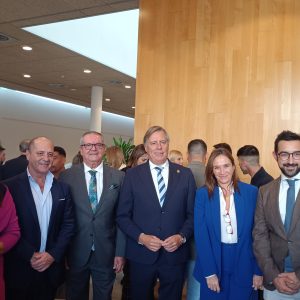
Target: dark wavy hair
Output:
[(2, 192), (210, 179)]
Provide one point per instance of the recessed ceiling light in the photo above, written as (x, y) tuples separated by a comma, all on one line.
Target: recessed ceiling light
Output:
[(62, 76), (87, 71), (26, 75), (127, 86), (73, 90), (26, 48), (133, 107), (107, 99)]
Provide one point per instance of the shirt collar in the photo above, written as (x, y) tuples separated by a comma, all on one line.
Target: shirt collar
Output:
[(49, 176), (163, 166), (99, 168)]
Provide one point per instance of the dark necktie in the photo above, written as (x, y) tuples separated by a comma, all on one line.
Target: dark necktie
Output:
[(290, 202), (161, 186), (93, 190)]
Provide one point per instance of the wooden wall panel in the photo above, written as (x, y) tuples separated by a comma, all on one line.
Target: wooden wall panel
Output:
[(220, 70)]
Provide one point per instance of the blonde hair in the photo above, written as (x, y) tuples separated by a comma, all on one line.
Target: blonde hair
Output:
[(173, 154), (115, 157)]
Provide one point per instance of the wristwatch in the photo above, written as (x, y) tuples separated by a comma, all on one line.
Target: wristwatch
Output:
[(183, 238)]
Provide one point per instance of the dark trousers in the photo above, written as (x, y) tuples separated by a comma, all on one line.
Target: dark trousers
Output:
[(39, 289), (144, 277), (78, 281)]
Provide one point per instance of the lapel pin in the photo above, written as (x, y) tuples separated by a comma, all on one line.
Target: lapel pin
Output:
[(178, 171)]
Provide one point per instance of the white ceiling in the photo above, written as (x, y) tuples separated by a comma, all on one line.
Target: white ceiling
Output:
[(57, 71)]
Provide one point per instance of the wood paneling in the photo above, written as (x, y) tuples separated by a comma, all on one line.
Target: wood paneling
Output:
[(220, 70)]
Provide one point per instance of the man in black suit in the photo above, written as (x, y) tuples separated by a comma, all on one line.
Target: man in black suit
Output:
[(156, 213), (35, 267), (16, 165)]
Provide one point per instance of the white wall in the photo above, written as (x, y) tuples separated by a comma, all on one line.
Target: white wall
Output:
[(24, 115)]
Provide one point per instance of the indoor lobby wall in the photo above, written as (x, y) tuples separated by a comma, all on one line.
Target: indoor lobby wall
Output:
[(220, 70)]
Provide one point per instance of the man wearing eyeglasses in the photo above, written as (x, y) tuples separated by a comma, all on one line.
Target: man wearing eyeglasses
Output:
[(277, 228), (156, 213), (97, 250)]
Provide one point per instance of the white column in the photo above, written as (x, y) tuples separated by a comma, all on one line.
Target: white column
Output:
[(96, 108)]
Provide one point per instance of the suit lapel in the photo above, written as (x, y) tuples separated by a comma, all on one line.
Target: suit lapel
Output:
[(173, 181), (55, 200), (296, 213), (240, 211), (215, 212), (107, 181)]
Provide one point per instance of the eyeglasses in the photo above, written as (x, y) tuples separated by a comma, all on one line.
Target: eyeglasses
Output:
[(98, 146), (286, 155), (227, 220)]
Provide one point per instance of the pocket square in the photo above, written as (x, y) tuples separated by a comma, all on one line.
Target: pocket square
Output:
[(113, 186), (62, 199)]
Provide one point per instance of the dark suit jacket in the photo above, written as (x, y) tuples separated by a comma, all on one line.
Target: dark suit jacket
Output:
[(14, 167), (139, 211), (271, 242), (261, 177), (100, 228), (18, 272), (208, 235)]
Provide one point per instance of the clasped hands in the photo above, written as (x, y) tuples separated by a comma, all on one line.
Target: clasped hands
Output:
[(287, 283), (41, 261), (153, 243)]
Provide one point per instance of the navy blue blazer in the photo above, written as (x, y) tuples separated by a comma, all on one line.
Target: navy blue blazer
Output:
[(208, 234), (18, 271), (139, 211)]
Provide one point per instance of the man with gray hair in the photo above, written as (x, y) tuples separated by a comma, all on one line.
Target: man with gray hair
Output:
[(16, 165)]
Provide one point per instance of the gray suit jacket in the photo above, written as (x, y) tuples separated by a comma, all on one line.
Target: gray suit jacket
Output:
[(271, 242), (100, 228)]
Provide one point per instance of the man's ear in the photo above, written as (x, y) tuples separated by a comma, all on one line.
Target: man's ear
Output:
[(275, 155)]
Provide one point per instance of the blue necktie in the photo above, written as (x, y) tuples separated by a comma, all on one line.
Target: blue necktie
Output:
[(290, 202), (161, 186), (93, 190)]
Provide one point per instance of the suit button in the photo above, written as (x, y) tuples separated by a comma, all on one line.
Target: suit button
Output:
[(93, 218), (91, 234), (162, 212)]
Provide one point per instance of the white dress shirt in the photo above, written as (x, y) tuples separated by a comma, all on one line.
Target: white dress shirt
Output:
[(99, 178), (164, 173)]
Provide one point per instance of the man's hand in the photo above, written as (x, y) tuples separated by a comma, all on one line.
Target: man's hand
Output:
[(119, 263), (172, 243), (257, 282), (151, 242), (292, 281), (213, 283), (284, 284), (41, 261)]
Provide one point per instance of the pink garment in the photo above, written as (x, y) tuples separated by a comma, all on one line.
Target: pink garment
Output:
[(9, 232)]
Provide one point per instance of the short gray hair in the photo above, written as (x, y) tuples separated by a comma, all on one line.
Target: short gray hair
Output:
[(87, 133), (152, 130)]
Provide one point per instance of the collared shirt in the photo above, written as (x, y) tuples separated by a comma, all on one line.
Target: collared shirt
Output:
[(43, 204), (225, 236), (164, 173), (99, 177), (283, 193)]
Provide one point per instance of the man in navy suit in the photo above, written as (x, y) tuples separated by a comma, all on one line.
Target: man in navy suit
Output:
[(156, 213), (34, 268)]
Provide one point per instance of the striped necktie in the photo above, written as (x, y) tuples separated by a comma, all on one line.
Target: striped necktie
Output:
[(93, 190), (162, 189)]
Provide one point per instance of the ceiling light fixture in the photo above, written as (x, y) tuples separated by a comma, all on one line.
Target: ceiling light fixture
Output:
[(107, 99), (26, 76), (26, 48), (73, 90), (87, 71), (127, 86), (133, 107)]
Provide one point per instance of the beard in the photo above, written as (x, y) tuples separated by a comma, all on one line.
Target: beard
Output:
[(290, 170)]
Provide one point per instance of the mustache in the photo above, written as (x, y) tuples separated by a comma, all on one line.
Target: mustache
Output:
[(290, 165)]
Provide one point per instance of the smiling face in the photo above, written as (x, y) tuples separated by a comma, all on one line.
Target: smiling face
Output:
[(58, 164), (40, 157), (92, 149), (291, 166), (223, 170), (157, 147)]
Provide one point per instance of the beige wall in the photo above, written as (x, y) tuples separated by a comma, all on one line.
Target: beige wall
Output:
[(221, 70)]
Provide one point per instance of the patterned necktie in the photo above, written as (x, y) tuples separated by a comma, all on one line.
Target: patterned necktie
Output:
[(93, 190), (161, 186), (290, 202)]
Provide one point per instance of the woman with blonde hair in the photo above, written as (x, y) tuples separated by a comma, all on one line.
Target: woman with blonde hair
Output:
[(115, 157)]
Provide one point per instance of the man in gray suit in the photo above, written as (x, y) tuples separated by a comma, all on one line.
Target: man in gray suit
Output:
[(97, 250), (196, 156), (276, 231)]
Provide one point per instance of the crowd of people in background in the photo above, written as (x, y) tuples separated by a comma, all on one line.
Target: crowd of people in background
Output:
[(159, 222)]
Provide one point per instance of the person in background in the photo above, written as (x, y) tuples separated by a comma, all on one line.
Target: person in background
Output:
[(223, 145), (176, 157), (248, 157), (276, 231), (224, 216), (2, 155), (16, 165), (98, 247), (35, 267), (196, 156), (115, 157), (59, 160), (9, 230), (155, 211)]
